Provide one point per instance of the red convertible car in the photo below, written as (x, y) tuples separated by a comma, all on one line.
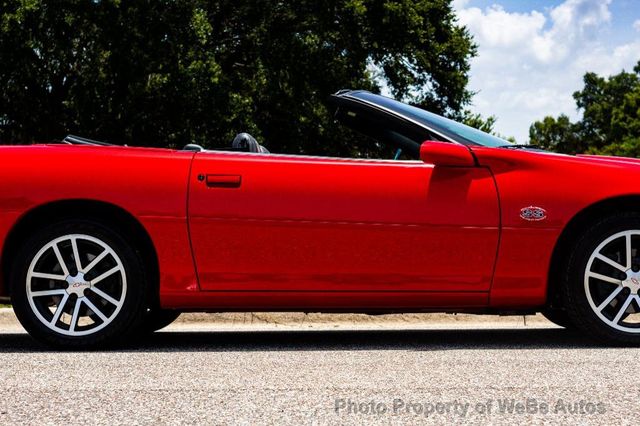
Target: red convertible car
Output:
[(102, 243)]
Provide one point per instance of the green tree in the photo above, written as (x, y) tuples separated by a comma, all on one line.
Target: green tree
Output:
[(610, 121), (479, 122), (556, 134), (485, 124), (164, 73)]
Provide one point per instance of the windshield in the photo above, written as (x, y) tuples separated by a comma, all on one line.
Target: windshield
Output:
[(449, 128)]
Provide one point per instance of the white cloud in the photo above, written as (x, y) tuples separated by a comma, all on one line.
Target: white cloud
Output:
[(636, 25), (459, 4), (581, 14), (498, 28), (529, 64)]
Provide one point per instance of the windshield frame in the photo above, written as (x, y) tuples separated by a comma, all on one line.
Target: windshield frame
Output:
[(425, 119)]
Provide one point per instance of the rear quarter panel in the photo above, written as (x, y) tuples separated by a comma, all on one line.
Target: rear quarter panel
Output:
[(151, 184)]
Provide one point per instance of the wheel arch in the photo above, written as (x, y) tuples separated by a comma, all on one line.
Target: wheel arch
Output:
[(581, 221), (107, 213)]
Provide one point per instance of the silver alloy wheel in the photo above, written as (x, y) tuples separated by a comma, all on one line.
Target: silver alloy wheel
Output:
[(612, 281), (80, 299)]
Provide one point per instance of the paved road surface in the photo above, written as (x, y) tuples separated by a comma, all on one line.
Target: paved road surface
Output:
[(332, 376)]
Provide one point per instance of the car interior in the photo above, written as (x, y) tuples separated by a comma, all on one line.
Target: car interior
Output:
[(243, 142), (399, 140)]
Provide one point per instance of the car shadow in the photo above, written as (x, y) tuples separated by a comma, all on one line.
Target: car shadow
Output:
[(334, 340)]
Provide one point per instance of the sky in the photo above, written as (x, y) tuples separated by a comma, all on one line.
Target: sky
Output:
[(532, 54)]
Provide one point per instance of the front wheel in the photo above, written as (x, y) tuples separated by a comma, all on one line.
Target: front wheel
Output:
[(602, 283), (79, 284)]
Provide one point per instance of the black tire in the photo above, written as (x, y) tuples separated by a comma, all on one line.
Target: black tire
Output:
[(559, 317), (157, 319), (124, 321), (574, 295)]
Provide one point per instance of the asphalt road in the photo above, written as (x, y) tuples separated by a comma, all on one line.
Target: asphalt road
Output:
[(278, 375)]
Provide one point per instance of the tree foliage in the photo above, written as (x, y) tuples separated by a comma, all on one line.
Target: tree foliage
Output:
[(486, 125), (479, 122), (166, 72), (610, 121)]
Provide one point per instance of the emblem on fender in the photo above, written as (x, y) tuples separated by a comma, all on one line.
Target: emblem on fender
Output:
[(533, 213)]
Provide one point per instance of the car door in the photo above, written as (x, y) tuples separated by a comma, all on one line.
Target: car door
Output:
[(263, 222)]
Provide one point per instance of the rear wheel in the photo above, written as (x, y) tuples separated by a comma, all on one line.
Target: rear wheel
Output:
[(602, 282), (79, 284)]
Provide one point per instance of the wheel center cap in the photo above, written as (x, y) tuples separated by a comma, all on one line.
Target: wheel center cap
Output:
[(632, 282), (77, 284)]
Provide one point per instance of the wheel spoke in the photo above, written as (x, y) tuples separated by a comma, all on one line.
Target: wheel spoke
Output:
[(74, 317), (615, 264), (95, 261), (627, 239), (63, 265), (48, 276), (76, 254), (95, 310), (105, 275), (608, 300), (604, 278), (54, 292), (623, 309), (60, 308), (105, 296)]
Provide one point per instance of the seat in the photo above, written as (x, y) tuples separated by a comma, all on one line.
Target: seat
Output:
[(246, 142)]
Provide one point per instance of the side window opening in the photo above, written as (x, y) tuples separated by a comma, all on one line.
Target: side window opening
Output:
[(386, 138)]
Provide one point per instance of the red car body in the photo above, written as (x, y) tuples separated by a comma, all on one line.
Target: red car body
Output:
[(233, 231)]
